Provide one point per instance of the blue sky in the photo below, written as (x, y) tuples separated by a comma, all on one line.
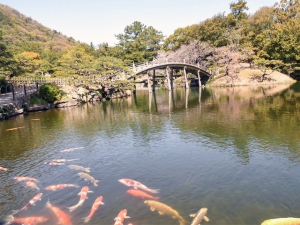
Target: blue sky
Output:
[(98, 21)]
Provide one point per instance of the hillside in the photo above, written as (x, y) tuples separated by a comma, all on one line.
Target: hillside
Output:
[(20, 32)]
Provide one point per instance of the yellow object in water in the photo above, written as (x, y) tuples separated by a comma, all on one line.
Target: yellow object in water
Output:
[(16, 128), (282, 221), (164, 209)]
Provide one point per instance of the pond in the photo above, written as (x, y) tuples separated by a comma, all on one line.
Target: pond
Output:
[(234, 151)]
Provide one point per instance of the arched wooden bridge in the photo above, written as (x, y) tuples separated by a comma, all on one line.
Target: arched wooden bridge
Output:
[(145, 68)]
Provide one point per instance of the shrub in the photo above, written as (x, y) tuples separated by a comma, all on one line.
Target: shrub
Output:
[(3, 84), (50, 92)]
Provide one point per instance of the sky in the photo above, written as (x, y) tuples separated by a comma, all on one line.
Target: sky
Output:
[(98, 21)]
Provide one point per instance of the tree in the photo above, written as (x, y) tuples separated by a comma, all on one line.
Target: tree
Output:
[(238, 9), (29, 62), (139, 42), (267, 66)]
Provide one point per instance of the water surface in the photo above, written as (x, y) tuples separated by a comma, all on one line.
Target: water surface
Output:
[(232, 150)]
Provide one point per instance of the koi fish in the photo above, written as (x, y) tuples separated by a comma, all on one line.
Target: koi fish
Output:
[(199, 216), (32, 185), (95, 206), (26, 179), (86, 176), (16, 128), (2, 168), (282, 221), (63, 218), (120, 217), (63, 160), (54, 163), (30, 203), (71, 149), (164, 209), (60, 186), (83, 195), (141, 194), (136, 185), (27, 221), (75, 167)]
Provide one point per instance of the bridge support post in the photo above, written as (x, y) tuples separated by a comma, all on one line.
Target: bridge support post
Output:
[(149, 84), (186, 80), (199, 78), (168, 79), (153, 80), (171, 79)]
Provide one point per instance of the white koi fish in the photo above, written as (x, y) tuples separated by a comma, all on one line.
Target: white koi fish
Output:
[(199, 216), (136, 185), (71, 149), (83, 195), (63, 160), (60, 186)]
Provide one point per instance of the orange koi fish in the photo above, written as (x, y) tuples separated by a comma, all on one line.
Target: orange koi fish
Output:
[(120, 217), (30, 203), (63, 218), (26, 179), (2, 168), (16, 128), (136, 185), (141, 194), (27, 221), (95, 206), (32, 185), (71, 149), (83, 196), (60, 186), (63, 160)]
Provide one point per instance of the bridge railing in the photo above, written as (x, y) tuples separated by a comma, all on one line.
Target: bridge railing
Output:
[(141, 66)]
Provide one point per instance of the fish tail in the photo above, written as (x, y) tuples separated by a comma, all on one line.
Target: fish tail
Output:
[(86, 219), (95, 182), (154, 191), (72, 208), (9, 219), (155, 198), (87, 170)]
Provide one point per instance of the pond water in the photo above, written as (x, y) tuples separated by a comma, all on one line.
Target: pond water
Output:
[(232, 150)]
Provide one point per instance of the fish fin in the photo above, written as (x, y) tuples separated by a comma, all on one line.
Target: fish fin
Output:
[(127, 217), (154, 191), (86, 219), (193, 215), (101, 203), (9, 219), (160, 213), (72, 208), (152, 208), (206, 218), (90, 192)]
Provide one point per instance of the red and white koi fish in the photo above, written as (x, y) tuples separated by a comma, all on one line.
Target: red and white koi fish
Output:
[(54, 163), (30, 203), (26, 179), (32, 185), (141, 194), (26, 221), (95, 206), (63, 218), (2, 168), (63, 160), (83, 196), (136, 185), (120, 217), (60, 186), (71, 149)]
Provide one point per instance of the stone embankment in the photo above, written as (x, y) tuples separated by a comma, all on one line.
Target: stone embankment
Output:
[(72, 96)]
